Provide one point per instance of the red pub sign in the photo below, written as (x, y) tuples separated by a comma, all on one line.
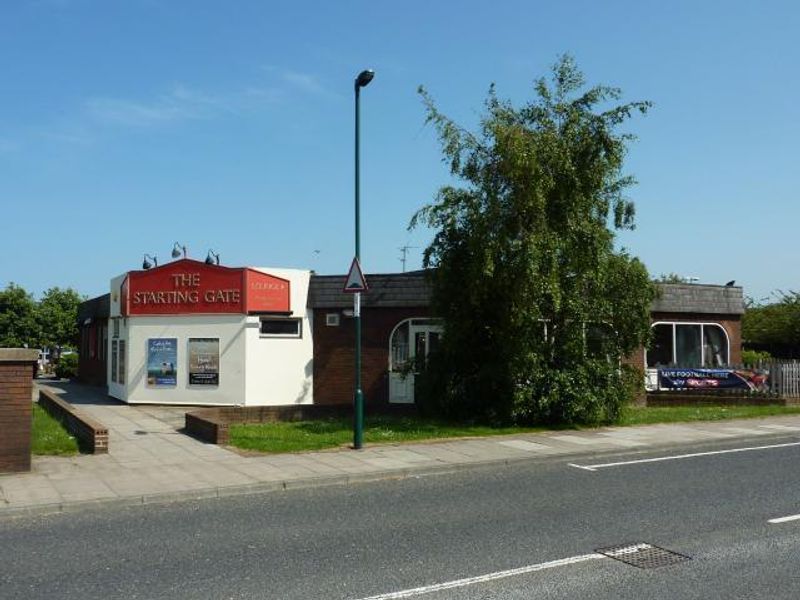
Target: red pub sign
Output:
[(192, 287)]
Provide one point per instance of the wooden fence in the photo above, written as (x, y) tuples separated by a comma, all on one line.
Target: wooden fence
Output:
[(784, 378)]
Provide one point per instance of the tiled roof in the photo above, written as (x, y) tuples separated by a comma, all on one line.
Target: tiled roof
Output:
[(699, 298), (413, 289), (387, 290)]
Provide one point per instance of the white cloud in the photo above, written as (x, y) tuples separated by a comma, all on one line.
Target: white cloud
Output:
[(179, 104)]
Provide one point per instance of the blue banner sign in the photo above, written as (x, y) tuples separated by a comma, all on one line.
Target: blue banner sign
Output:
[(743, 379)]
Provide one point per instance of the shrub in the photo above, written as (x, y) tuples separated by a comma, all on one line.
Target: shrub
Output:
[(67, 366)]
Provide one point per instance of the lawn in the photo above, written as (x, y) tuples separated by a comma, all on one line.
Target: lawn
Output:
[(49, 436), (303, 436), (640, 415), (331, 433)]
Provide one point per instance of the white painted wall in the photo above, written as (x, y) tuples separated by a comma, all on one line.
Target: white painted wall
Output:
[(116, 390), (281, 370)]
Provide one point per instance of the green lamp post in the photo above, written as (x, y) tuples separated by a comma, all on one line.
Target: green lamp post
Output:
[(362, 80)]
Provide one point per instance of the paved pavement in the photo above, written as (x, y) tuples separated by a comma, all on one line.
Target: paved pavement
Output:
[(151, 461)]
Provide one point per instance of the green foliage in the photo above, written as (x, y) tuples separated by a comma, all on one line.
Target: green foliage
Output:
[(67, 366), (57, 314), (776, 323), (19, 326), (671, 278), (525, 260), (753, 357), (52, 321)]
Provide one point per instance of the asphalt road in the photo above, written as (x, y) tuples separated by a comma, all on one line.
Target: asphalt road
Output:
[(383, 538)]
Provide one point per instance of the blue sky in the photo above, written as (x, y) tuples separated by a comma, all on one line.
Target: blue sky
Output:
[(128, 125)]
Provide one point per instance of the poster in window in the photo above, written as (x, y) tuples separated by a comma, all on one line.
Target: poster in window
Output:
[(162, 362), (203, 361)]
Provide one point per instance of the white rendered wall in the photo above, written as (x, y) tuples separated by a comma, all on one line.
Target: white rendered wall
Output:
[(230, 331), (281, 370), (116, 390)]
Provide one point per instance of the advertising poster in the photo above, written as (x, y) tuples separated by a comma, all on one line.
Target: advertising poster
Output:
[(711, 379), (162, 360), (203, 361)]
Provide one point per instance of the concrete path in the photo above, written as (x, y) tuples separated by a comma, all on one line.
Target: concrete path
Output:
[(150, 461)]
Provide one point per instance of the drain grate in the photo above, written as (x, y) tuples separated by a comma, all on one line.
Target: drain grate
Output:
[(644, 556)]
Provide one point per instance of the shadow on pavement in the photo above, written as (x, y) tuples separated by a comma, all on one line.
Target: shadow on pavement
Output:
[(78, 393)]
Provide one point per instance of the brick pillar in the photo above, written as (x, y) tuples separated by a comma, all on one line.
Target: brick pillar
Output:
[(16, 383)]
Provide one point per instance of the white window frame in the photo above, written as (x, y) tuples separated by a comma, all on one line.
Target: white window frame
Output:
[(703, 325), (437, 325), (285, 336)]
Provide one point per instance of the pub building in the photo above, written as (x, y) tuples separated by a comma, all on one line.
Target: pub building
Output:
[(192, 333)]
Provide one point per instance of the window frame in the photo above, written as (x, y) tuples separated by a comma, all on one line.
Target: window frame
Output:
[(703, 325), (285, 336)]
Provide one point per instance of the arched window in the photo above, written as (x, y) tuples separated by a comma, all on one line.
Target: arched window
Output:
[(688, 345), (412, 340)]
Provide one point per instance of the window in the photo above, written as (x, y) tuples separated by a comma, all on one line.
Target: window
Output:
[(411, 342), (688, 345), (332, 319), (121, 362), (116, 327), (288, 328), (114, 361)]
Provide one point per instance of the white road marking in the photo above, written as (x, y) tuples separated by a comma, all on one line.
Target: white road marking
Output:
[(427, 589), (680, 456), (784, 519)]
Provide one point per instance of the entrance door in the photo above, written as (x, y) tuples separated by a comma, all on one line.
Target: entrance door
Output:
[(411, 343)]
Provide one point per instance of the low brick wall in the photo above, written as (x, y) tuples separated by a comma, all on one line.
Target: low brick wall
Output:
[(92, 436), (706, 399), (212, 425), (17, 366)]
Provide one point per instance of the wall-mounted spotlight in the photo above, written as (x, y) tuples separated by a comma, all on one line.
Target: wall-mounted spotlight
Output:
[(212, 258), (149, 262), (177, 249)]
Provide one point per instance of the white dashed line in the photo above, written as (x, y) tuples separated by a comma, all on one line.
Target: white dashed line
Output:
[(784, 519), (427, 589), (680, 456)]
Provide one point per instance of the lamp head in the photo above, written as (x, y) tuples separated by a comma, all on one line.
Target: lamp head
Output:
[(177, 249), (146, 264), (364, 78), (212, 258)]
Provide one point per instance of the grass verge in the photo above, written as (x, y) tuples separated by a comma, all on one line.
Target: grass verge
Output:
[(331, 433), (648, 415), (49, 437), (302, 436)]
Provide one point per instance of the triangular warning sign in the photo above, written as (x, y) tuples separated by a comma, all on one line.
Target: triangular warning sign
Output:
[(355, 279)]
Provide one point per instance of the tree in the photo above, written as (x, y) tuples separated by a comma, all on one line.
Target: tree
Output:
[(57, 314), (538, 307), (774, 326), (18, 324)]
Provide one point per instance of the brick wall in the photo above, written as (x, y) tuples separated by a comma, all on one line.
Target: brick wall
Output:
[(16, 383), (92, 436), (334, 354)]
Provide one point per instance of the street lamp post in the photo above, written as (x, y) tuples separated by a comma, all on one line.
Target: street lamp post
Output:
[(362, 80)]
